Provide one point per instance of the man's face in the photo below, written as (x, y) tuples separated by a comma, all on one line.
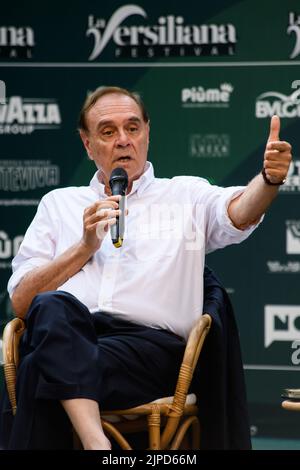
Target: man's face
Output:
[(117, 136)]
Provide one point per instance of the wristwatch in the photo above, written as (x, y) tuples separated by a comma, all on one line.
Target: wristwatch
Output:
[(267, 181)]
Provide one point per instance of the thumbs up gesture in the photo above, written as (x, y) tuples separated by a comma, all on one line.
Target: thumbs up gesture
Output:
[(277, 155)]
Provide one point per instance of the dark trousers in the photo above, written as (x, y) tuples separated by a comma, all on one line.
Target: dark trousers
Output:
[(68, 353)]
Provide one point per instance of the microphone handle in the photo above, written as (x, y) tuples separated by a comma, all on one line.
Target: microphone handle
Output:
[(117, 230)]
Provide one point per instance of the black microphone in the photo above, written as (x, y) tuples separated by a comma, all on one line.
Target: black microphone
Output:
[(118, 183)]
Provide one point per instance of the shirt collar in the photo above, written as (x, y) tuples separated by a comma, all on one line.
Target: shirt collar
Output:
[(138, 186)]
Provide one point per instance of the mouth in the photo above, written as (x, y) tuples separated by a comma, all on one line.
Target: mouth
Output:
[(125, 158)]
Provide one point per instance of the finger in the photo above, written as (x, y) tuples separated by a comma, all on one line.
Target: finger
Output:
[(275, 165), (274, 129), (282, 146), (103, 226), (91, 209), (273, 155), (108, 213), (116, 197), (102, 215), (101, 204), (108, 204)]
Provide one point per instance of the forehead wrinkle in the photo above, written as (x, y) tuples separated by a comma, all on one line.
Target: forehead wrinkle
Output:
[(111, 122), (111, 111)]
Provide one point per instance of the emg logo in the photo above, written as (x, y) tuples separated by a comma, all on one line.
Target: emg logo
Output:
[(282, 323)]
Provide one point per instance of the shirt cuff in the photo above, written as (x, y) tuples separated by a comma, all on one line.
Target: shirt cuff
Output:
[(227, 223)]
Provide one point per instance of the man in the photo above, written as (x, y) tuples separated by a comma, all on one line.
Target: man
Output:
[(140, 292)]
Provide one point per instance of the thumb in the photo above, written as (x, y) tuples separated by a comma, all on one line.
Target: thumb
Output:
[(274, 129)]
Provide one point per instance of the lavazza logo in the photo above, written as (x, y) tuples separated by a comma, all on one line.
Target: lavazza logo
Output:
[(170, 37), (199, 97), (25, 115), (16, 42), (292, 245)]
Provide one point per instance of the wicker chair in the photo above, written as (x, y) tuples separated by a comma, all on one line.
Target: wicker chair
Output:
[(167, 420)]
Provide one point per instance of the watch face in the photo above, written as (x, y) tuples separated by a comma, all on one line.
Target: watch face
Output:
[(291, 393)]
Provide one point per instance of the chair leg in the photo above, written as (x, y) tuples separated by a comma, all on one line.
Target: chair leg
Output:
[(181, 432), (117, 436), (154, 428), (196, 433)]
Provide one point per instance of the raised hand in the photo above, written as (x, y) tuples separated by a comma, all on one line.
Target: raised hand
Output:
[(277, 157)]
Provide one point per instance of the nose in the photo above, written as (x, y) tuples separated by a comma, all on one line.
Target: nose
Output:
[(122, 139)]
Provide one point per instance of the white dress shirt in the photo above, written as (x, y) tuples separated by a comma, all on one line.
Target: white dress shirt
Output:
[(156, 277)]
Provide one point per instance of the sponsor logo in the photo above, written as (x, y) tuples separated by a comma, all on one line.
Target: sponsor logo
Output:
[(273, 102), (292, 248), (209, 145), (8, 248), (169, 37), (295, 357), (281, 323), (199, 97), (16, 42), (293, 237), (292, 184), (27, 175), (19, 202), (294, 27), (2, 92), (278, 267), (25, 115)]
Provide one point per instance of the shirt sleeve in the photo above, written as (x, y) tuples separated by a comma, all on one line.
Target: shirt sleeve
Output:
[(37, 247), (219, 230)]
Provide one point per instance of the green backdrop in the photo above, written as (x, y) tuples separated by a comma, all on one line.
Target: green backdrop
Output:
[(211, 75)]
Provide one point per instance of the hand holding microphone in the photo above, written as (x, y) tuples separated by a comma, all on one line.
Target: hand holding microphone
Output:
[(99, 217)]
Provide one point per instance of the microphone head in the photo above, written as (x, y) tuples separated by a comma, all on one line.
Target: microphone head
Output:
[(118, 181)]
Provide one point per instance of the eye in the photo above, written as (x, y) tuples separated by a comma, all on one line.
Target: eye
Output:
[(107, 132), (133, 129)]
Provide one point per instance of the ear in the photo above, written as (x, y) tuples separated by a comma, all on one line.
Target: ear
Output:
[(86, 142), (148, 132)]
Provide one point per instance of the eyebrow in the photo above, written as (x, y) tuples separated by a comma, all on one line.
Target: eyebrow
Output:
[(109, 122)]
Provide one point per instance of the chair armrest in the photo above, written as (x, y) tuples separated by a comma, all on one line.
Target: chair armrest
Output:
[(11, 338), (191, 355)]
